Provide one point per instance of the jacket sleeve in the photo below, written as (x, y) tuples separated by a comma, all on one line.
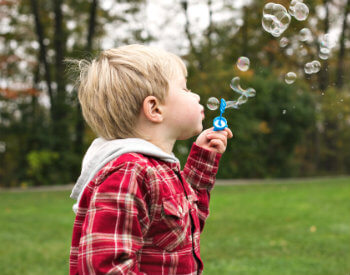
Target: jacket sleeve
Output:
[(200, 172), (115, 224)]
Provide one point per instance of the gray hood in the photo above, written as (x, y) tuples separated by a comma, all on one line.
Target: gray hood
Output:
[(102, 151)]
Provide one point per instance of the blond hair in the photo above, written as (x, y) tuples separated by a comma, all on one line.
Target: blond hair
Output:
[(113, 86)]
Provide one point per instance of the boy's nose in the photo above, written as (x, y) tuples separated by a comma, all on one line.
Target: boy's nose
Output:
[(197, 96)]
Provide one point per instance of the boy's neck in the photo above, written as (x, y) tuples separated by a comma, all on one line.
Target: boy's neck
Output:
[(166, 146), (155, 134)]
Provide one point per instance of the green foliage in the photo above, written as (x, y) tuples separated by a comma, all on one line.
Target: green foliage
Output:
[(334, 131), (40, 166)]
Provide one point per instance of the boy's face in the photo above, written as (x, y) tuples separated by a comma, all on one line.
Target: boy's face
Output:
[(184, 113)]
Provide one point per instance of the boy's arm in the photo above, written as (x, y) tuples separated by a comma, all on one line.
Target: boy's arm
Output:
[(202, 166), (200, 172), (115, 224)]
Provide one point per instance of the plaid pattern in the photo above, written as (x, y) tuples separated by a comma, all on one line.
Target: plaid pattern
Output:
[(140, 215)]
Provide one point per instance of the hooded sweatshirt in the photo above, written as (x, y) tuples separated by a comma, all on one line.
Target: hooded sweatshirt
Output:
[(102, 151)]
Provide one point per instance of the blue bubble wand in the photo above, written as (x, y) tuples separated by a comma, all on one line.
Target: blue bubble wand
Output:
[(220, 123)]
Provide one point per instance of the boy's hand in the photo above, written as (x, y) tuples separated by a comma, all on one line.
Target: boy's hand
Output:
[(214, 140)]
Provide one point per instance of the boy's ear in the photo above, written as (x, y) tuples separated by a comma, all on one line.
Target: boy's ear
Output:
[(152, 109)]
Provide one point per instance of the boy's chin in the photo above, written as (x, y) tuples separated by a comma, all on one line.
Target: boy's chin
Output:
[(194, 133)]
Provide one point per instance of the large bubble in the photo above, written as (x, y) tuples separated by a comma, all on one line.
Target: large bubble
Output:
[(275, 19)]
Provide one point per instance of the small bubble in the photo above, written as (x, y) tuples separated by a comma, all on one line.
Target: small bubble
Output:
[(326, 41), (284, 112), (308, 68), (291, 9), (325, 50), (243, 63), (289, 51), (305, 35), (316, 66), (290, 77), (284, 42), (213, 103), (301, 11), (323, 56)]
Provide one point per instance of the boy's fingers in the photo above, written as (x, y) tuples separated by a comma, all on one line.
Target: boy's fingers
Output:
[(218, 136), (226, 131), (215, 143), (229, 132)]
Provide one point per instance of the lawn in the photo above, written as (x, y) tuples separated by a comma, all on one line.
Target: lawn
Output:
[(271, 229)]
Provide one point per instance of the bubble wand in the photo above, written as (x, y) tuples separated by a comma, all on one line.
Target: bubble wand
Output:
[(220, 123)]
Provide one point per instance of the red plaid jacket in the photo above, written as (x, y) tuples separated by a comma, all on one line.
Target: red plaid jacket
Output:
[(141, 215)]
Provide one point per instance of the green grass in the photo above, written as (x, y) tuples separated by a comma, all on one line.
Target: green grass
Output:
[(272, 229)]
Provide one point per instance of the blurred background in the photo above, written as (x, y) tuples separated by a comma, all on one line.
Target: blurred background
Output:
[(300, 129)]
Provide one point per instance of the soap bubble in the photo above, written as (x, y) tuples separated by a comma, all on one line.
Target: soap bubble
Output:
[(235, 85), (284, 42), (316, 66), (232, 104), (242, 99), (312, 67), (275, 19), (290, 77), (298, 9), (291, 9), (326, 44), (284, 112), (305, 35), (325, 50), (326, 41), (323, 56), (289, 51), (213, 103), (308, 68), (243, 63), (301, 11)]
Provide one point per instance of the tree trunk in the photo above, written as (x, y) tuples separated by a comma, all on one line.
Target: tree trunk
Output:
[(80, 126), (245, 32), (210, 27), (184, 4), (341, 55), (60, 123), (42, 48)]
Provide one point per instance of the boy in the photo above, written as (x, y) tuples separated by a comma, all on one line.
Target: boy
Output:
[(137, 213)]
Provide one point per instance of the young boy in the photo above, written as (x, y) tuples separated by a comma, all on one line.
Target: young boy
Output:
[(137, 213)]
